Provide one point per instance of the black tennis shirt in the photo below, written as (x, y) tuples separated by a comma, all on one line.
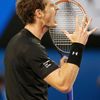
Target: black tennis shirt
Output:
[(26, 65)]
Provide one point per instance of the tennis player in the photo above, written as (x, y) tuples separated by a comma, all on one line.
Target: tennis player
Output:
[(29, 70)]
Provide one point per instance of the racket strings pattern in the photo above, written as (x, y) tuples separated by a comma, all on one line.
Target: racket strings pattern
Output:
[(66, 20)]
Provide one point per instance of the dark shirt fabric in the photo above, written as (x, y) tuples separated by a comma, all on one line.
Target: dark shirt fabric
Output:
[(26, 65)]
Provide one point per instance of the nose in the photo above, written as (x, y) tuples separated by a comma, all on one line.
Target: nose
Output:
[(56, 9)]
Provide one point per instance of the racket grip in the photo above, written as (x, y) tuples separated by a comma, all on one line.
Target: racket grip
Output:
[(70, 95)]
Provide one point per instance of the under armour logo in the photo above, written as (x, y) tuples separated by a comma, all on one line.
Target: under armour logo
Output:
[(74, 53)]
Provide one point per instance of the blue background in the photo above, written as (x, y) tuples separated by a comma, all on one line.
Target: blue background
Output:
[(7, 10)]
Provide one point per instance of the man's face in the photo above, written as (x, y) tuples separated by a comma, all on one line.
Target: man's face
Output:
[(50, 13)]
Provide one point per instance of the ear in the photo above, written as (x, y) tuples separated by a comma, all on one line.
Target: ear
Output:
[(39, 13)]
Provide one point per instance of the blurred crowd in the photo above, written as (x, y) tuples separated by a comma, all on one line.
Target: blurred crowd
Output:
[(92, 8)]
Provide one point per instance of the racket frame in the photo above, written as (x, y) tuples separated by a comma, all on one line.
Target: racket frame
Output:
[(82, 9)]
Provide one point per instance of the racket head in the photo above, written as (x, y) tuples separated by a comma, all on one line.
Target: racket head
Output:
[(66, 20)]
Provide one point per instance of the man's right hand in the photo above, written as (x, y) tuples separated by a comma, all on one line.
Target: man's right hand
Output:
[(81, 34)]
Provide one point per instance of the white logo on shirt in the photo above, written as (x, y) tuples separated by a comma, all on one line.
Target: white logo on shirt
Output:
[(47, 64)]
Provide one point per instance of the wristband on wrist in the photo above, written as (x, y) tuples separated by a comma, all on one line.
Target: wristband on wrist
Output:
[(75, 55)]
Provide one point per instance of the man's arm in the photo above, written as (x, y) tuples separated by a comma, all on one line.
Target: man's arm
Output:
[(64, 77)]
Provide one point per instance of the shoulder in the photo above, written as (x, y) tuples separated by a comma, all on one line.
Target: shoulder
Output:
[(21, 43), (35, 49)]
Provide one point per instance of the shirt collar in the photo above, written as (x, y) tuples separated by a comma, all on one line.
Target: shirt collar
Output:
[(29, 34)]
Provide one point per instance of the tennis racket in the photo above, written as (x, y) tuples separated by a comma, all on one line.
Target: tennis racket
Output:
[(66, 20)]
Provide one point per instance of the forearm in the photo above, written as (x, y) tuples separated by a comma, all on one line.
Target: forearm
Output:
[(69, 70), (67, 75), (63, 78)]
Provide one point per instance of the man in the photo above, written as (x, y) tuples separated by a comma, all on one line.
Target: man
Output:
[(29, 71)]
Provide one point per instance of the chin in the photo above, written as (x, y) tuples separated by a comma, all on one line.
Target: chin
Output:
[(53, 25)]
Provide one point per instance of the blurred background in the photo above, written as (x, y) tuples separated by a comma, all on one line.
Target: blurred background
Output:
[(87, 85)]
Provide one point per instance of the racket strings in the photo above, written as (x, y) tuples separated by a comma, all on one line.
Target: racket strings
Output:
[(66, 20)]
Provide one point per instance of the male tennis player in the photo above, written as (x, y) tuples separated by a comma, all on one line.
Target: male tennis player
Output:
[(29, 71)]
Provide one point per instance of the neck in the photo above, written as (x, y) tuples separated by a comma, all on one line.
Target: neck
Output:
[(37, 30)]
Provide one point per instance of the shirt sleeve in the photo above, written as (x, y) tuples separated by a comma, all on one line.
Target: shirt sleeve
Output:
[(37, 58)]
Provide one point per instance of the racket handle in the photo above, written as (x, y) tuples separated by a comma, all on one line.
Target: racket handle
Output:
[(70, 95)]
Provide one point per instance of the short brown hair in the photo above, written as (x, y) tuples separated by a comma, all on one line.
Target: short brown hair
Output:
[(25, 9)]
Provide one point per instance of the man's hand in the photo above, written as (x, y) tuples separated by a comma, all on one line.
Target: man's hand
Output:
[(81, 34)]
